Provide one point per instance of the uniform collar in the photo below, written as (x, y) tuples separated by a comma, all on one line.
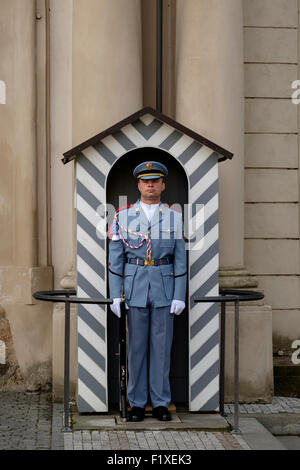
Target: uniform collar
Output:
[(149, 206), (136, 210), (157, 216)]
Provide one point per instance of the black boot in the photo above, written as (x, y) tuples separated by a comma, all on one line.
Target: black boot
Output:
[(136, 414), (161, 413)]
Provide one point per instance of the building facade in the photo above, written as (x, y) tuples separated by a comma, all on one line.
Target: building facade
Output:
[(72, 69)]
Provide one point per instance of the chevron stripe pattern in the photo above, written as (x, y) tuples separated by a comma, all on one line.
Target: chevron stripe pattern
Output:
[(93, 165)]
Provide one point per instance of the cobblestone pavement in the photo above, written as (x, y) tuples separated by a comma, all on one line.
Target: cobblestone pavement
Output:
[(30, 421), (278, 405), (152, 440), (25, 421)]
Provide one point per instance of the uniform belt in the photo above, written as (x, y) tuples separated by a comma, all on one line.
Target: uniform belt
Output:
[(152, 262)]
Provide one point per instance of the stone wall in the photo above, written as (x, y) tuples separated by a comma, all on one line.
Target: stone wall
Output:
[(272, 160)]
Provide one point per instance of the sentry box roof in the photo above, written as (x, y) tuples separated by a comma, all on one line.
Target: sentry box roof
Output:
[(144, 123)]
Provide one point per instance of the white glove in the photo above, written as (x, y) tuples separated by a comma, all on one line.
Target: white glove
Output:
[(177, 306), (115, 307)]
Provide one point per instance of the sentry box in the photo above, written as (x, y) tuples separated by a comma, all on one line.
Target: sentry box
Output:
[(103, 169)]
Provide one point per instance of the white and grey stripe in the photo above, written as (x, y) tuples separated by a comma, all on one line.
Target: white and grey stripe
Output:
[(92, 168)]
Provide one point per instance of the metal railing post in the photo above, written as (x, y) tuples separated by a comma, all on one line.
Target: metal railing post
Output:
[(222, 358), (236, 367), (67, 368), (55, 296), (228, 295)]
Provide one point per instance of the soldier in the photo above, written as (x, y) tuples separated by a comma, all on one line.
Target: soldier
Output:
[(147, 257)]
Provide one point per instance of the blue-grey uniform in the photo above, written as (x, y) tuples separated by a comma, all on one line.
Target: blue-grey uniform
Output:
[(147, 260)]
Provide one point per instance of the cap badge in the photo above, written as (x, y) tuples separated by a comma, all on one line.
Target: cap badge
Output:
[(149, 166)]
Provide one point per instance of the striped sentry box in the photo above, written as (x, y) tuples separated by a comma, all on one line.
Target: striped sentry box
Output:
[(94, 159)]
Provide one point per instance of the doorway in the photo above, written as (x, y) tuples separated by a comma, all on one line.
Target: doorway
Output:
[(121, 182)]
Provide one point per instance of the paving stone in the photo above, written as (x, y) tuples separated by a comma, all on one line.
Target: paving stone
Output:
[(25, 420), (86, 440), (170, 440), (278, 405), (160, 440), (208, 444), (133, 442), (105, 440), (31, 421), (68, 441), (95, 438), (241, 441), (216, 439), (142, 440)]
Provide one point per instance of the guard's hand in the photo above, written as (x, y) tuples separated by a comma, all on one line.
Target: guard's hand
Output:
[(177, 306), (115, 307)]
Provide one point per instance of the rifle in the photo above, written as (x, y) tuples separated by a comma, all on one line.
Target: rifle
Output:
[(123, 363)]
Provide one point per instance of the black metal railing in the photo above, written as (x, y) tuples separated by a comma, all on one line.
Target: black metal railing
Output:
[(56, 296), (236, 296), (226, 295)]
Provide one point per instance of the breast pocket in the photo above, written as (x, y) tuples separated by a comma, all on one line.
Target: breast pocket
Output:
[(167, 238), (168, 280), (129, 275)]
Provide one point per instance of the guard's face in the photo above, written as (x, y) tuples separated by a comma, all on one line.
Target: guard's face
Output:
[(151, 189)]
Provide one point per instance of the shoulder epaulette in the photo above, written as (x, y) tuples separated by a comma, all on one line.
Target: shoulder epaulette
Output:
[(172, 208)]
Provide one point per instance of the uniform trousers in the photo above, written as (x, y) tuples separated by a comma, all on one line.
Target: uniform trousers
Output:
[(150, 329)]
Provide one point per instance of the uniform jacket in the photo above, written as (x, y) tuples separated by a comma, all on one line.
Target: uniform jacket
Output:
[(168, 281)]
